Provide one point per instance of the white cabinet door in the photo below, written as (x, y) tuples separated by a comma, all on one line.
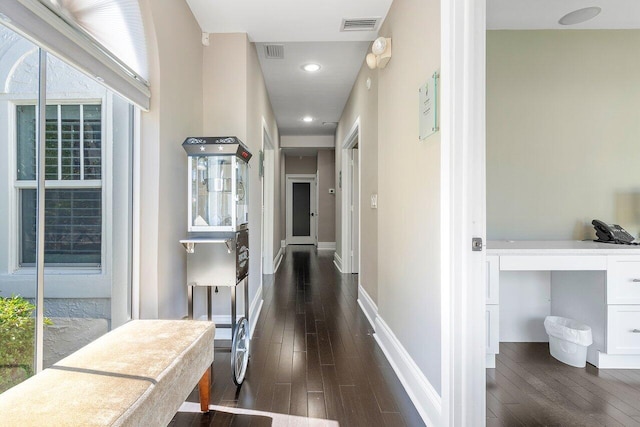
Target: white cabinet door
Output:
[(492, 318), (623, 329), (623, 280), (493, 279)]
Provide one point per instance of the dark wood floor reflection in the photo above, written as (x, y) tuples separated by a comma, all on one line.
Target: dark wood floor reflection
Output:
[(531, 388), (313, 358)]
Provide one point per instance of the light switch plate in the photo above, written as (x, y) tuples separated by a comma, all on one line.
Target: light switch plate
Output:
[(374, 201)]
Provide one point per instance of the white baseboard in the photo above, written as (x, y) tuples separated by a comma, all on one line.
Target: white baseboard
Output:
[(337, 261), (326, 246), (368, 307), (255, 308), (425, 398), (490, 361), (283, 243), (277, 260)]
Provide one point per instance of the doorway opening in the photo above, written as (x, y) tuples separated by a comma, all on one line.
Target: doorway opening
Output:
[(268, 191), (351, 155)]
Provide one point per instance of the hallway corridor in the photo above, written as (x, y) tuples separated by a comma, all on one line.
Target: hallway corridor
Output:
[(314, 361)]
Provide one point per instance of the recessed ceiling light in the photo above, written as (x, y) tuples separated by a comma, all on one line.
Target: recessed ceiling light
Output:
[(579, 16), (307, 119), (311, 68)]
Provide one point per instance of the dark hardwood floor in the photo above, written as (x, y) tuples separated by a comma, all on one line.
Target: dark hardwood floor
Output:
[(531, 388), (313, 362)]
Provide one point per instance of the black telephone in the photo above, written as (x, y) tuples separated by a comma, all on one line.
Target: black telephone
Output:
[(612, 233)]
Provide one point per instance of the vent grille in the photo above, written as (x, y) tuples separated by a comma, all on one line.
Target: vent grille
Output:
[(274, 51), (360, 24)]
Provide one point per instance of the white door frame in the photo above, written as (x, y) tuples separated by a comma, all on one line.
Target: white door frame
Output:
[(353, 137), (268, 200), (463, 194), (290, 180)]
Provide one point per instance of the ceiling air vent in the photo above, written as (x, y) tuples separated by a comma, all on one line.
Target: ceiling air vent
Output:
[(274, 51), (360, 24)]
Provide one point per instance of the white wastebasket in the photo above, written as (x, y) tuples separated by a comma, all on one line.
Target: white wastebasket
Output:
[(568, 340)]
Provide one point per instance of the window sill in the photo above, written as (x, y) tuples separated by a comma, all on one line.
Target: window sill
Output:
[(59, 271)]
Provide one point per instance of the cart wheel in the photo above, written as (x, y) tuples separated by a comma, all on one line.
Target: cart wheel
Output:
[(240, 351)]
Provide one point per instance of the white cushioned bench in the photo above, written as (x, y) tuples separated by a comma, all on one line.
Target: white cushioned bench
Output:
[(136, 375)]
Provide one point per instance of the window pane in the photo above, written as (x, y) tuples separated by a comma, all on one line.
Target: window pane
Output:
[(17, 150), (26, 138), (70, 142), (51, 129), (73, 226), (301, 215), (92, 141)]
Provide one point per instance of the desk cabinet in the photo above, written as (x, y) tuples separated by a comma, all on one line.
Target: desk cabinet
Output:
[(617, 327)]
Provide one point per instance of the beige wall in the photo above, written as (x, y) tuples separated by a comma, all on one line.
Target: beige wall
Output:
[(301, 164), (326, 201), (259, 109), (175, 60), (225, 86), (406, 230), (235, 103), (563, 131), (363, 104), (409, 188), (307, 141), (217, 90)]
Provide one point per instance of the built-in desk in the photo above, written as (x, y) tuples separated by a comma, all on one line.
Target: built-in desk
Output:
[(609, 302)]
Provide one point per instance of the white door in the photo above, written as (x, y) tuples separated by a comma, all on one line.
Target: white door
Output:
[(355, 211), (301, 210)]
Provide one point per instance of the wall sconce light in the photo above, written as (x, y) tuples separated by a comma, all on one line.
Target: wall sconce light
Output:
[(380, 53)]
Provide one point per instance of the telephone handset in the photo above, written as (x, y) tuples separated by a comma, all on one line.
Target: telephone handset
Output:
[(612, 233)]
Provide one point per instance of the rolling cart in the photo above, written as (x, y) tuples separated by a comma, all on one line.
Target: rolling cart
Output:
[(210, 267), (218, 242)]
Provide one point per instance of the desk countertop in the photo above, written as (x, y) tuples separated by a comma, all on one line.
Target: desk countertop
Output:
[(558, 247)]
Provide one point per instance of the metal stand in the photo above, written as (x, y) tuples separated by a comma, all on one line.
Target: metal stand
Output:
[(239, 327)]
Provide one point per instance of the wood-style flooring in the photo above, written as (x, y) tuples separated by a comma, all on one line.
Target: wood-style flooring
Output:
[(531, 388), (314, 360)]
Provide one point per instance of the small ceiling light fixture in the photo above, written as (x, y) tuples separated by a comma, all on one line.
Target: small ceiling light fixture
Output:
[(380, 53), (307, 119), (311, 68), (579, 16)]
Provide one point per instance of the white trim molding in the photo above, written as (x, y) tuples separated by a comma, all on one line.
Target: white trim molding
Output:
[(352, 138), (337, 261), (326, 246), (254, 310), (424, 397), (368, 307), (283, 243), (277, 260), (463, 203)]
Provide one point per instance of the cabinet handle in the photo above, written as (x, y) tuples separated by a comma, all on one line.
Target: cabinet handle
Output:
[(636, 331), (636, 280)]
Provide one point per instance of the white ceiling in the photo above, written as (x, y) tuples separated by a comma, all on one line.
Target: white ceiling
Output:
[(310, 32), (287, 20), (544, 14), (295, 93)]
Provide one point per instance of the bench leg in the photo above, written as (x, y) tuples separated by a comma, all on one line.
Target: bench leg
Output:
[(204, 388)]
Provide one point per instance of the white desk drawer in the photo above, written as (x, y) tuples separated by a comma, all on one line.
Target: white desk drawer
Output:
[(623, 329), (492, 317), (623, 280), (493, 279)]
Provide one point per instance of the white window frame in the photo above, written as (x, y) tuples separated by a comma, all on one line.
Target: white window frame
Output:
[(105, 185)]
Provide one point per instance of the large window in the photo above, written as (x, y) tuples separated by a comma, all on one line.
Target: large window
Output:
[(73, 173)]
